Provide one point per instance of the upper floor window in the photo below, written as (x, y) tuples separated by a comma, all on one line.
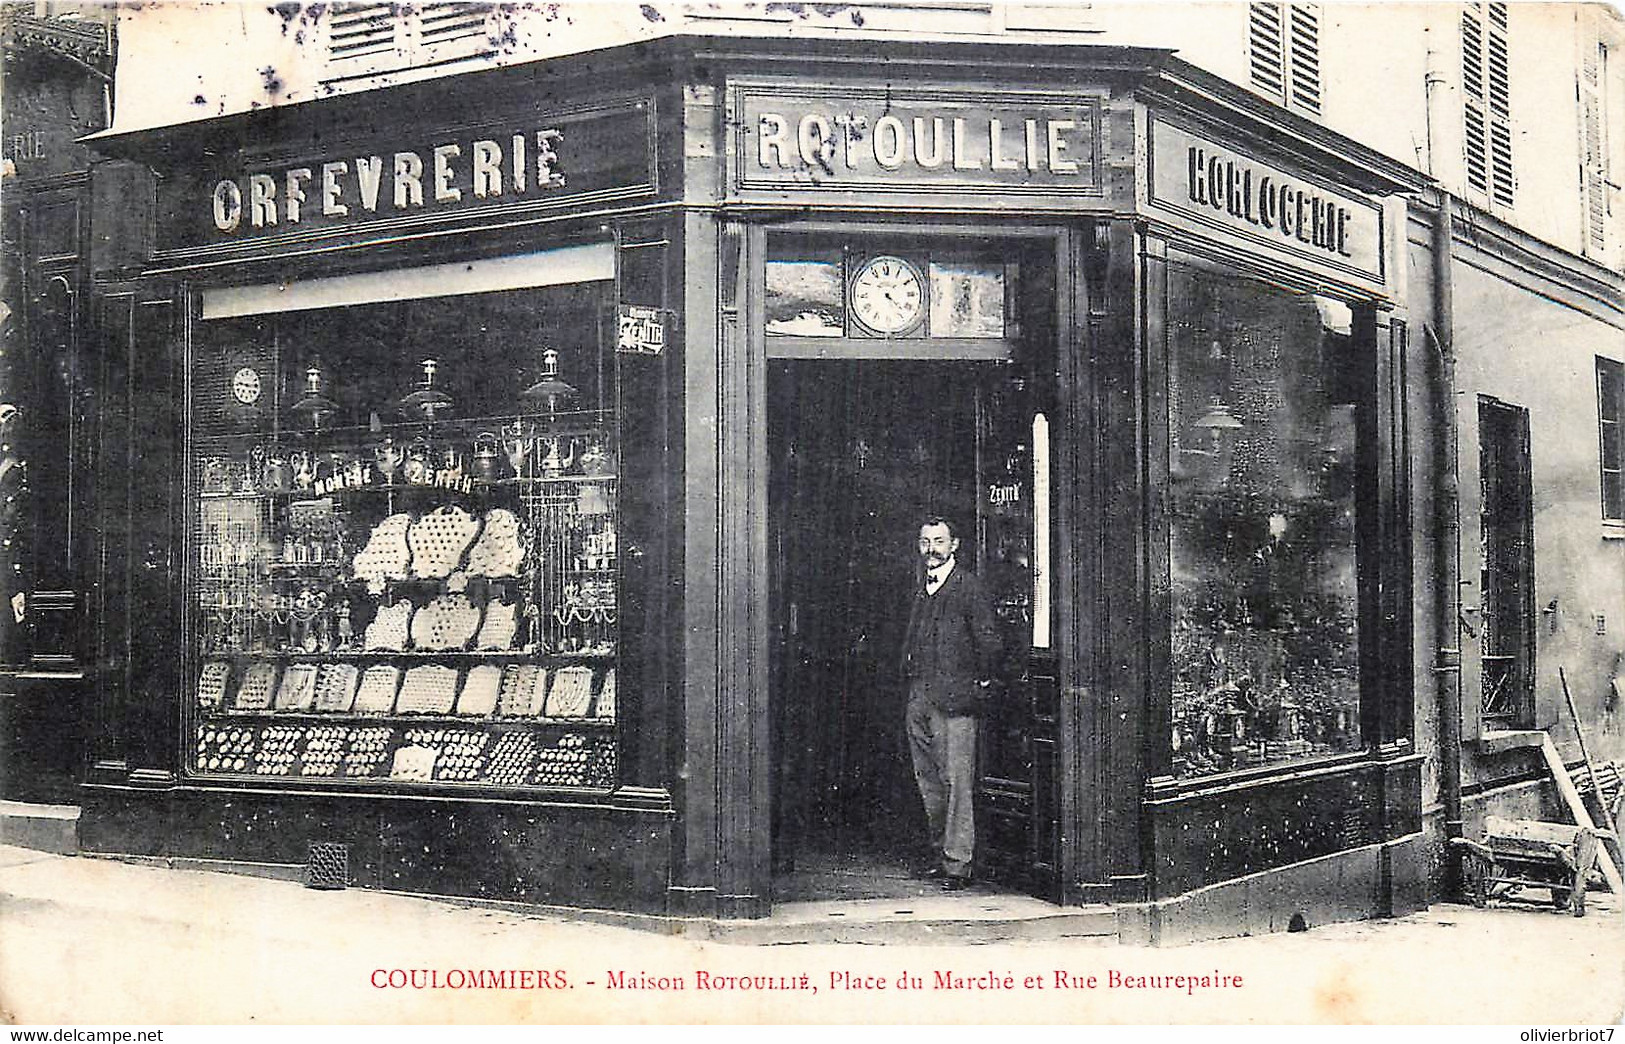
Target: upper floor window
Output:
[(1284, 53), (365, 39), (1487, 106), (1611, 437), (1596, 166)]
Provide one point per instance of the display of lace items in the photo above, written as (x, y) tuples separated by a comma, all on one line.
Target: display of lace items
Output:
[(388, 629), (499, 551), (386, 556), (377, 692), (438, 540), (448, 622), (427, 689), (501, 622)]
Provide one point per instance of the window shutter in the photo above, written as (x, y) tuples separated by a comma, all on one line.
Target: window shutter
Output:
[(1265, 55), (1283, 52), (1500, 107), (1611, 437), (1304, 48), (1487, 102), (1593, 151), (365, 39), (357, 30)]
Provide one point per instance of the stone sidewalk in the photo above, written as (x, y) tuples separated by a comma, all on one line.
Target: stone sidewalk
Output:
[(93, 941)]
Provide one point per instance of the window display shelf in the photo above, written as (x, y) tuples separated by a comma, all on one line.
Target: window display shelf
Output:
[(546, 659), (350, 717)]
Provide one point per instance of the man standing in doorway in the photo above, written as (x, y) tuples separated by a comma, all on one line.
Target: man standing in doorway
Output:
[(950, 654)]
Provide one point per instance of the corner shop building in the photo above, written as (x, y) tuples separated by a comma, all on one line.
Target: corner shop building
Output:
[(602, 607)]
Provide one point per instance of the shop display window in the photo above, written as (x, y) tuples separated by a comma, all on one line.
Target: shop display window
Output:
[(404, 557), (1262, 433)]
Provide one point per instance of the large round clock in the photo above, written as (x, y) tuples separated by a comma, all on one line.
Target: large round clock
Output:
[(888, 295)]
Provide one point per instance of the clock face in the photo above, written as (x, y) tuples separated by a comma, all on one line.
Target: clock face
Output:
[(245, 385), (888, 295)]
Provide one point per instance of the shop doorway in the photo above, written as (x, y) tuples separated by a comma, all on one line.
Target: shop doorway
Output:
[(860, 452)]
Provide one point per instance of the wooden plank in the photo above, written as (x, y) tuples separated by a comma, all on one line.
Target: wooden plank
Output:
[(1577, 808)]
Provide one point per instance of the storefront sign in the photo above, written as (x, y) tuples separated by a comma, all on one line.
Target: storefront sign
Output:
[(411, 180), (402, 180), (641, 330), (1221, 186), (799, 137)]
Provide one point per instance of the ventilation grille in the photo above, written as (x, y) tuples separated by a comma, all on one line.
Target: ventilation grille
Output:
[(328, 867)]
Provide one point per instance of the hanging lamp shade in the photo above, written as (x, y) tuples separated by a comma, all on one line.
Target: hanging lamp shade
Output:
[(551, 391), (425, 399), (315, 403)]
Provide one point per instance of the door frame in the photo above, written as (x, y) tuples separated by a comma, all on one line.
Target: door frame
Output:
[(1082, 319)]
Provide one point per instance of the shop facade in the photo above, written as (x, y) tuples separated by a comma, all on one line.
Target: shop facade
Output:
[(507, 484)]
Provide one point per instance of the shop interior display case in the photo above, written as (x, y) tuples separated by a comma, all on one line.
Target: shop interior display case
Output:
[(404, 566)]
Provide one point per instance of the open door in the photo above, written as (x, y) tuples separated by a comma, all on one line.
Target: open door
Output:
[(1018, 821), (861, 451)]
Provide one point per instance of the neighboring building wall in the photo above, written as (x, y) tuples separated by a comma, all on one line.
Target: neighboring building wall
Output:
[(1531, 340), (56, 57), (1530, 322)]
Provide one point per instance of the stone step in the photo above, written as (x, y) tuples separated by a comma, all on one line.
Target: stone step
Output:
[(43, 828)]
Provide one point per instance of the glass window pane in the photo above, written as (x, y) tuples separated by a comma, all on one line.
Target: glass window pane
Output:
[(1610, 377), (1262, 557), (967, 299), (405, 520), (805, 297)]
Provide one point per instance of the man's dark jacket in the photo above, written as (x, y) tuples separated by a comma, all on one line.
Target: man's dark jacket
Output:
[(952, 644)]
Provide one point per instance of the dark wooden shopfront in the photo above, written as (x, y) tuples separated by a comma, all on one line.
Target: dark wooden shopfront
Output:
[(777, 452)]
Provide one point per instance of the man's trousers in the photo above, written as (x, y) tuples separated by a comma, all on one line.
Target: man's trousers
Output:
[(943, 749)]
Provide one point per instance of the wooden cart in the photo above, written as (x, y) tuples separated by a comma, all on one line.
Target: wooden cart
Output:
[(1516, 854)]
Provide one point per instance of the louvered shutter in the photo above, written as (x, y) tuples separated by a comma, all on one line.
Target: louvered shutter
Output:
[(1283, 52), (369, 38), (359, 30), (1265, 57), (448, 31), (1500, 104), (1472, 85), (1593, 152), (1303, 49), (1487, 102)]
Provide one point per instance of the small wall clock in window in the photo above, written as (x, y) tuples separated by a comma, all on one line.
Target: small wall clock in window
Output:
[(887, 296), (246, 386)]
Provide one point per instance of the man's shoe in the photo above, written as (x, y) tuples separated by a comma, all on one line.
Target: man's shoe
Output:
[(955, 883), (935, 872)]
